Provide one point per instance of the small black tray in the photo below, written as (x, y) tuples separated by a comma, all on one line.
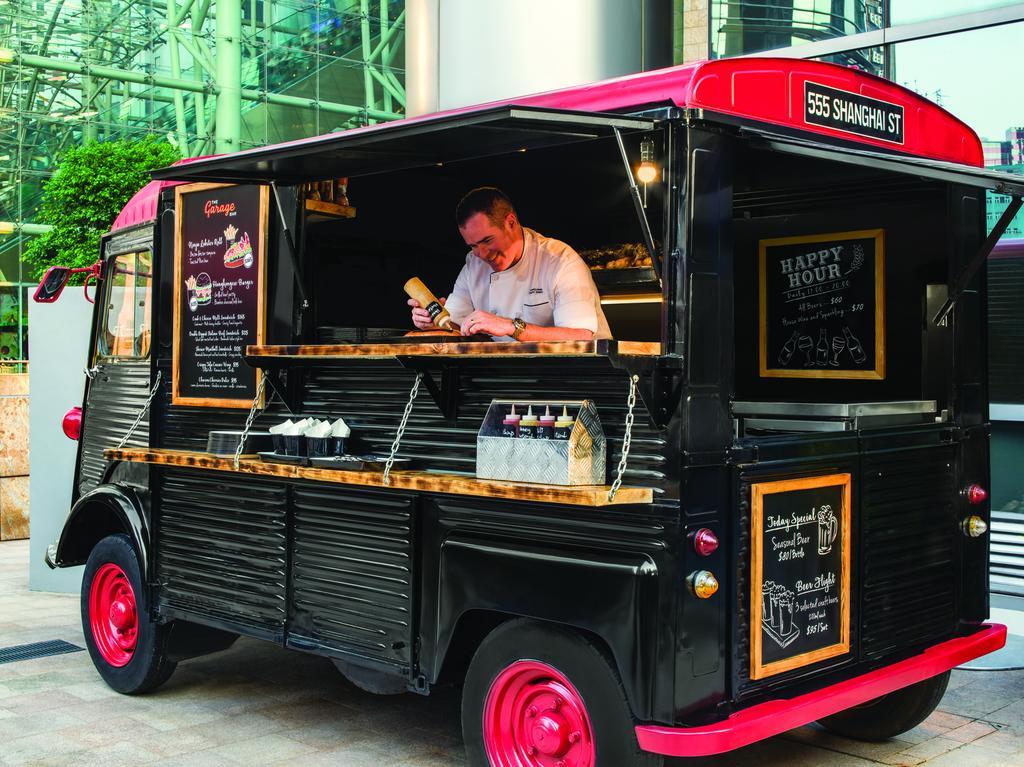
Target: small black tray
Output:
[(370, 462), (294, 460)]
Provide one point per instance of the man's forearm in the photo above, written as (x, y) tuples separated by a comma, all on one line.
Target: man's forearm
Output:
[(554, 333)]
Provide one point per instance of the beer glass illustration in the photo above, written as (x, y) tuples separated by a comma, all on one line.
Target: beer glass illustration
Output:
[(787, 601), (766, 602), (828, 528)]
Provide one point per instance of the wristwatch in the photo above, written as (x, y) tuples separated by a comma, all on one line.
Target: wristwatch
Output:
[(519, 326)]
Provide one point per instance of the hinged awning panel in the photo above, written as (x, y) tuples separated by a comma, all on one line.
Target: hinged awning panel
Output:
[(938, 170), (406, 144)]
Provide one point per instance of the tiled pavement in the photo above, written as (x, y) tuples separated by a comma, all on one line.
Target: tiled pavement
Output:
[(256, 704)]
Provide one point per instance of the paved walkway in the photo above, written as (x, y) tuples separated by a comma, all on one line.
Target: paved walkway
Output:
[(257, 704)]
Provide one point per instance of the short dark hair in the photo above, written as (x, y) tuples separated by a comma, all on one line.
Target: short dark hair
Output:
[(489, 200)]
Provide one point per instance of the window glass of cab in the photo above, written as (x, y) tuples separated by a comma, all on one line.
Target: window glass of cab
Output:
[(125, 332)]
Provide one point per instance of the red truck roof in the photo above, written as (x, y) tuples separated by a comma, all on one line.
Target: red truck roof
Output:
[(790, 93)]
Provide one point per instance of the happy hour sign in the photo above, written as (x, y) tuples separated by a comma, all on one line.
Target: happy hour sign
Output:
[(822, 306), (219, 301), (800, 573)]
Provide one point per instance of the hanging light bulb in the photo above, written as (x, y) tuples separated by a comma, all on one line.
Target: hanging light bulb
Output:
[(647, 171)]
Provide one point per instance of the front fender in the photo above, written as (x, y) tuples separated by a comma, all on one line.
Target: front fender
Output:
[(104, 510), (614, 597)]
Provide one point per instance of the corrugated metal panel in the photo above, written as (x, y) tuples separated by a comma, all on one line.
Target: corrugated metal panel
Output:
[(222, 547), (371, 395), (116, 396), (1006, 552), (908, 539), (352, 571)]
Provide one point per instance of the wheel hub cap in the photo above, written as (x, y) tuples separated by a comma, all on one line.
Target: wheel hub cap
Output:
[(113, 615), (551, 734)]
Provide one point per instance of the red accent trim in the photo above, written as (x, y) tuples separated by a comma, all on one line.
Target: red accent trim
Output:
[(534, 717), (113, 615), (767, 719)]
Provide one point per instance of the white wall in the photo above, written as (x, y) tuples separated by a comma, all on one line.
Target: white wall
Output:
[(461, 52), (60, 337)]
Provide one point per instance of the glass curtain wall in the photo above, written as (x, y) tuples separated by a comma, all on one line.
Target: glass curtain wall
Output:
[(740, 27), (208, 75)]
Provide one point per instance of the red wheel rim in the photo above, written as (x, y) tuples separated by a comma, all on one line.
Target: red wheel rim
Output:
[(534, 717), (113, 616)]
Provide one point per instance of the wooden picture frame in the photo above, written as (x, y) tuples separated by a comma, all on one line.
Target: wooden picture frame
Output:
[(877, 370), (758, 668), (177, 398)]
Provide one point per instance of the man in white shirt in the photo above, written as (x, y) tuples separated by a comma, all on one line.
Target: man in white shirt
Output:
[(517, 285)]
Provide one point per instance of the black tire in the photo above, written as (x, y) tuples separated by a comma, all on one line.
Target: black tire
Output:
[(148, 666), (580, 662), (890, 715)]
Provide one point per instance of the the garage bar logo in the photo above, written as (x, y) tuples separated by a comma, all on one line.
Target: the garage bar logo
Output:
[(852, 113)]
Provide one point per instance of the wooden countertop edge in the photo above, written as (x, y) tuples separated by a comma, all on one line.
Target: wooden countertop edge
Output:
[(451, 484), (475, 349)]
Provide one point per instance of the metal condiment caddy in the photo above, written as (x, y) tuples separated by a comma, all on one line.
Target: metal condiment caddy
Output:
[(579, 460)]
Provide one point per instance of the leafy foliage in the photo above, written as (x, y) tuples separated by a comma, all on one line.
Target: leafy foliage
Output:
[(82, 199)]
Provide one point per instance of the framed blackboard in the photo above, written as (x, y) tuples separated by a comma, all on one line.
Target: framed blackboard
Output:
[(219, 292), (799, 573), (822, 306)]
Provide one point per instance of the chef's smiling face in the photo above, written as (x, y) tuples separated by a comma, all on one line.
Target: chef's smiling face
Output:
[(499, 246)]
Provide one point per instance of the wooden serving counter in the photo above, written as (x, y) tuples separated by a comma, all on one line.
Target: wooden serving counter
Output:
[(451, 484), (455, 348)]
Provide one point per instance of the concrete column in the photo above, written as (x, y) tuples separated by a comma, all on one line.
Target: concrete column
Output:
[(422, 55), (56, 384)]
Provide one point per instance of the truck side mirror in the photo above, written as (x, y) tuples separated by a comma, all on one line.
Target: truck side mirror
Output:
[(52, 284)]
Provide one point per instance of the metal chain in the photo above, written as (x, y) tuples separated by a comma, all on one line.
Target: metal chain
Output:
[(250, 419), (627, 439), (142, 413), (401, 426)]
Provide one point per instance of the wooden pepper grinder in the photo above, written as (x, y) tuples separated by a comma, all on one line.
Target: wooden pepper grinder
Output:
[(416, 289)]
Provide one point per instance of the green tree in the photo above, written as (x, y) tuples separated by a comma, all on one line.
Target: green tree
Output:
[(82, 199)]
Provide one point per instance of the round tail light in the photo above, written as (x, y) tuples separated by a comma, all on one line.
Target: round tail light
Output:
[(703, 584), (705, 542), (976, 494), (72, 423)]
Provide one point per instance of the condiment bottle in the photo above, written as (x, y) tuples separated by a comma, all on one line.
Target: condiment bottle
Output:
[(510, 425), (564, 424), (416, 289), (528, 425), (546, 427)]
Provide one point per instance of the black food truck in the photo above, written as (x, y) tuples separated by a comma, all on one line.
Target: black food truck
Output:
[(761, 504)]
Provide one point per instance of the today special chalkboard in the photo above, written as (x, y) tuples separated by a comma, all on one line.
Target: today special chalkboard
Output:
[(220, 292), (822, 306), (800, 573)]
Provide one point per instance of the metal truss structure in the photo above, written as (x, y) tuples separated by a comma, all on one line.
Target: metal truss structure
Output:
[(211, 75)]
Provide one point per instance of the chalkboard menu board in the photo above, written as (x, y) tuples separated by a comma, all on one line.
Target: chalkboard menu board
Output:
[(220, 295), (822, 306), (800, 573)]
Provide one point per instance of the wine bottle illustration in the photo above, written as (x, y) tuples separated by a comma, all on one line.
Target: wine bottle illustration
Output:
[(806, 345), (838, 344), (786, 354), (853, 344), (822, 348)]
